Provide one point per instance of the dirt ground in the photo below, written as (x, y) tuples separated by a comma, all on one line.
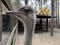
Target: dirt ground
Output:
[(42, 38)]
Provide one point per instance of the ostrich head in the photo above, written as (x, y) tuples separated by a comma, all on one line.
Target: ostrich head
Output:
[(25, 10)]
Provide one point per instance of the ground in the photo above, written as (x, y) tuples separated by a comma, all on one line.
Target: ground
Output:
[(42, 38)]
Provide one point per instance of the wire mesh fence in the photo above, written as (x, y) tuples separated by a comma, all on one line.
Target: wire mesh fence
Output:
[(8, 24), (0, 21)]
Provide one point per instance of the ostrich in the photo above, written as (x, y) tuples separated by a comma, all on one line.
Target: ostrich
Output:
[(27, 15)]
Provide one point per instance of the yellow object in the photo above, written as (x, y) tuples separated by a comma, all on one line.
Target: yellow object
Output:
[(44, 11), (48, 12)]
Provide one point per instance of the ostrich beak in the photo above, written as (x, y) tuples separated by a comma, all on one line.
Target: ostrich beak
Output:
[(11, 12), (14, 13)]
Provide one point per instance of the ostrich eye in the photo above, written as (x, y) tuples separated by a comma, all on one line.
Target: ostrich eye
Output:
[(27, 11)]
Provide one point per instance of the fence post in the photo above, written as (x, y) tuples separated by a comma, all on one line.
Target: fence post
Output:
[(52, 15), (0, 21)]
